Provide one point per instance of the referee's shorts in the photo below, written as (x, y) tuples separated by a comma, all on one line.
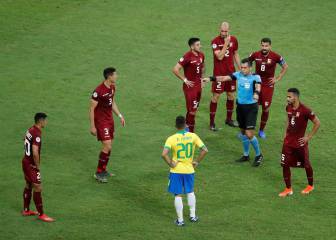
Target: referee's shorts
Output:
[(247, 115)]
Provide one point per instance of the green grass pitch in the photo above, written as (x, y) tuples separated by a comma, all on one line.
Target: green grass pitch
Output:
[(52, 54)]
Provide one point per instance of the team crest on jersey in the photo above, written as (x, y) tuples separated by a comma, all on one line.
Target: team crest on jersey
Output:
[(38, 139), (230, 44), (298, 114), (181, 59), (214, 46), (269, 61), (201, 60)]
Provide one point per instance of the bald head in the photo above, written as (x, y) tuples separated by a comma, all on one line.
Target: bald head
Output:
[(224, 29)]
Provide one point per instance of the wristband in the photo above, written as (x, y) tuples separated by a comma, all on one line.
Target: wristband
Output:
[(120, 115), (185, 80), (212, 78)]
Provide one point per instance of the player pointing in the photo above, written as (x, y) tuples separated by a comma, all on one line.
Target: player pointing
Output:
[(193, 66), (247, 107), (265, 64), (101, 119), (295, 147), (182, 167)]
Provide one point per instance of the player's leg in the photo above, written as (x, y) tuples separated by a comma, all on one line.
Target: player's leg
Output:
[(230, 88), (213, 109), (105, 135), (245, 141), (266, 101), (304, 154), (251, 120), (175, 187), (37, 196), (192, 105), (286, 172), (27, 191), (188, 180)]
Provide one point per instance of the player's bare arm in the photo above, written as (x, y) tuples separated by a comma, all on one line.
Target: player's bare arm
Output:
[(93, 105), (237, 59), (36, 156), (177, 72), (220, 54), (167, 159), (257, 91), (283, 71), (200, 157), (116, 111), (216, 79), (286, 126), (309, 136)]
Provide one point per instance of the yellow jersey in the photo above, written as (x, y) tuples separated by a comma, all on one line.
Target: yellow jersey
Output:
[(182, 146)]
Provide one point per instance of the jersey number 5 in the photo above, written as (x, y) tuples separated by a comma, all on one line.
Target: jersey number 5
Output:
[(185, 151)]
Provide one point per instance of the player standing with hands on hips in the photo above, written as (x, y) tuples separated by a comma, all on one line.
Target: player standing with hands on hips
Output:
[(247, 107), (182, 165), (101, 120)]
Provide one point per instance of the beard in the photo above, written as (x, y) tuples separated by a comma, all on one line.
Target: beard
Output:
[(264, 52)]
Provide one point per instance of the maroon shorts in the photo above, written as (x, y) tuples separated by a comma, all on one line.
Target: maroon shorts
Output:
[(31, 173), (105, 132), (266, 96), (193, 98), (295, 157), (220, 87)]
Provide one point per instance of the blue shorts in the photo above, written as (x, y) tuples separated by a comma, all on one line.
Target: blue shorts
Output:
[(181, 183)]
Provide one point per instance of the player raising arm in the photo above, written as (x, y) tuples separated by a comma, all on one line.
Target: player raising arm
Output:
[(101, 120), (182, 167), (247, 107), (295, 151)]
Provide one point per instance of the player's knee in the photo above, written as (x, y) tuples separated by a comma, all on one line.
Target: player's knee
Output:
[(266, 109), (215, 98), (107, 146), (230, 95), (37, 187), (249, 134)]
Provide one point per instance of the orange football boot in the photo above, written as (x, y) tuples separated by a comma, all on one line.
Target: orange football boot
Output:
[(45, 218), (286, 192), (307, 190)]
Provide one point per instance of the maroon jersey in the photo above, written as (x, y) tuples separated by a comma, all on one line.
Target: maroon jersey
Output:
[(297, 124), (192, 65), (226, 65), (33, 137), (265, 65), (104, 96)]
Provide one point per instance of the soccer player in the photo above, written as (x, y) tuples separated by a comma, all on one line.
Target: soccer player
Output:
[(182, 167), (295, 147), (225, 53), (101, 120), (31, 163), (265, 64), (193, 65), (247, 107)]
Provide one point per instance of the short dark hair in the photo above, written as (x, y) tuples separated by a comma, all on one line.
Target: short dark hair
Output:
[(246, 60), (180, 122), (294, 91), (109, 71), (266, 40), (39, 116), (192, 40)]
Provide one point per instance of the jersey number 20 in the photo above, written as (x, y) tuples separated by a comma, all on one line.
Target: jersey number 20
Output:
[(185, 151)]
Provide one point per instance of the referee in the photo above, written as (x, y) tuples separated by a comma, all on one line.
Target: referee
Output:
[(248, 87)]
